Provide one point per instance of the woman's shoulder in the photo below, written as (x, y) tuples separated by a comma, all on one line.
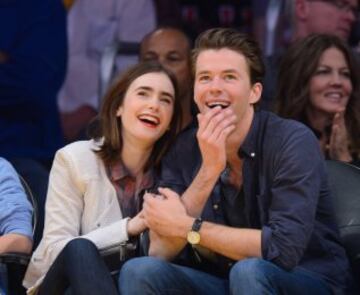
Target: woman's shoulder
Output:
[(81, 154)]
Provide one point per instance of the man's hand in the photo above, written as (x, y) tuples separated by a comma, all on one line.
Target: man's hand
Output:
[(165, 214), (214, 128)]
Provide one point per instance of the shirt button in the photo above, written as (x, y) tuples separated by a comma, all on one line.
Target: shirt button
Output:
[(230, 264), (252, 155), (98, 225), (216, 206)]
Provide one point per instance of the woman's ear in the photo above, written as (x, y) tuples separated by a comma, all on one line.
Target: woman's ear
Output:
[(119, 111), (255, 93)]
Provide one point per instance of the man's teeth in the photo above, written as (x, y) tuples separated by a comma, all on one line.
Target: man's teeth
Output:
[(223, 105)]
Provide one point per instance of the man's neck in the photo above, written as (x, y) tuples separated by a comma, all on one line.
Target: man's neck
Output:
[(237, 137)]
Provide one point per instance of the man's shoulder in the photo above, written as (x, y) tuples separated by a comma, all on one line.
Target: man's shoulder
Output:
[(279, 126)]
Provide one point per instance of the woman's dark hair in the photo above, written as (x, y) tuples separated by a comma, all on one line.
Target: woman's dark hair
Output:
[(107, 126), (297, 68)]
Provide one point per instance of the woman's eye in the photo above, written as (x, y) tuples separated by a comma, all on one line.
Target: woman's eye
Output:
[(322, 72), (142, 93), (346, 74), (166, 100)]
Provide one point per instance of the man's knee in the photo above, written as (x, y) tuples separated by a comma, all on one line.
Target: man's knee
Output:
[(142, 267), (249, 271)]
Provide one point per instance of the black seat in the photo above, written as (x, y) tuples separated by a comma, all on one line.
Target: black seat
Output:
[(344, 180), (16, 263)]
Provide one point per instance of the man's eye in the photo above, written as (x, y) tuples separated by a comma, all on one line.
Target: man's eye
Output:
[(230, 77), (204, 78)]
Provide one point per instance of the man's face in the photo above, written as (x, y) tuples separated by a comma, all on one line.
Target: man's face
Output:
[(222, 78), (171, 48), (331, 16)]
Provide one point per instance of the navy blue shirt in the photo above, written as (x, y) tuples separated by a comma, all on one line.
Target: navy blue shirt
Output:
[(33, 41), (285, 192)]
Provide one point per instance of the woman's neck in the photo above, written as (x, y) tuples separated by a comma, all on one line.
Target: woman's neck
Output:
[(135, 156)]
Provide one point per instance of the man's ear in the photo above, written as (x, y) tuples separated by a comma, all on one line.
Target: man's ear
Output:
[(255, 94)]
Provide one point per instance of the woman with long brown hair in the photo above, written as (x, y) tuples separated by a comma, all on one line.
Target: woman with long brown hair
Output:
[(94, 196), (318, 85)]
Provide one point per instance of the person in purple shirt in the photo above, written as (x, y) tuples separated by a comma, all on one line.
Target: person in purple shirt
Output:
[(255, 214)]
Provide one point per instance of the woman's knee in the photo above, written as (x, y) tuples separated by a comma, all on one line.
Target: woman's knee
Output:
[(78, 248)]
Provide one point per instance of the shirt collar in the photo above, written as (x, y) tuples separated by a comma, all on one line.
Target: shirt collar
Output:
[(118, 172), (248, 148)]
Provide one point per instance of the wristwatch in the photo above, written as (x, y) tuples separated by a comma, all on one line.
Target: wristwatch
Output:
[(193, 236)]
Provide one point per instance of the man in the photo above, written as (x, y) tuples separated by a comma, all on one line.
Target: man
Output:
[(171, 47), (15, 217), (325, 16), (94, 26), (311, 17), (255, 211), (32, 68)]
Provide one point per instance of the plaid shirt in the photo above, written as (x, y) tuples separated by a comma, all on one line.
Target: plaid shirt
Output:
[(129, 188)]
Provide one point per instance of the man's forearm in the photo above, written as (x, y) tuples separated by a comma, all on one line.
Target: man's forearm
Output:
[(196, 196)]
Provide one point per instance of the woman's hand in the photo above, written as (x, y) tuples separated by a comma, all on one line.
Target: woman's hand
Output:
[(136, 225), (339, 139)]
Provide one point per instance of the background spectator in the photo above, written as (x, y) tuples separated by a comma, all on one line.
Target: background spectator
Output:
[(92, 27), (310, 16), (172, 48), (323, 92), (15, 217), (32, 69)]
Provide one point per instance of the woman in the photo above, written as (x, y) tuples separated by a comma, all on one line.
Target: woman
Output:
[(95, 186), (319, 85)]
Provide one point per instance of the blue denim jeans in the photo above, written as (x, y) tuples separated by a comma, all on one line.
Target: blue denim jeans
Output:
[(79, 269), (148, 275), (3, 279)]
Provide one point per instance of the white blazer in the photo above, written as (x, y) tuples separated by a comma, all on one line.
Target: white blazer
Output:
[(81, 202)]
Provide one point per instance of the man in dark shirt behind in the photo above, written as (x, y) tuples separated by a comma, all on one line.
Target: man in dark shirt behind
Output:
[(255, 210)]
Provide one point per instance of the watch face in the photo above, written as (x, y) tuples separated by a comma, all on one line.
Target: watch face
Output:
[(193, 237)]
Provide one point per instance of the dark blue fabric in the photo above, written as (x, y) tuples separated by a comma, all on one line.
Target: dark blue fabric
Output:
[(286, 195), (33, 36)]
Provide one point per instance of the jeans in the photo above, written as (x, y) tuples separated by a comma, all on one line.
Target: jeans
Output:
[(36, 174), (3, 279), (79, 269), (148, 275)]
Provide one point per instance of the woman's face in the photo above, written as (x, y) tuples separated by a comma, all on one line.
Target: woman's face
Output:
[(147, 108), (330, 85)]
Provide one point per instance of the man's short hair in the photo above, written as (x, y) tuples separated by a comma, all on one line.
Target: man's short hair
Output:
[(232, 39)]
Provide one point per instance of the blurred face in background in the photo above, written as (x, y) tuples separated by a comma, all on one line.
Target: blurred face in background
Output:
[(171, 48), (330, 85), (330, 16)]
